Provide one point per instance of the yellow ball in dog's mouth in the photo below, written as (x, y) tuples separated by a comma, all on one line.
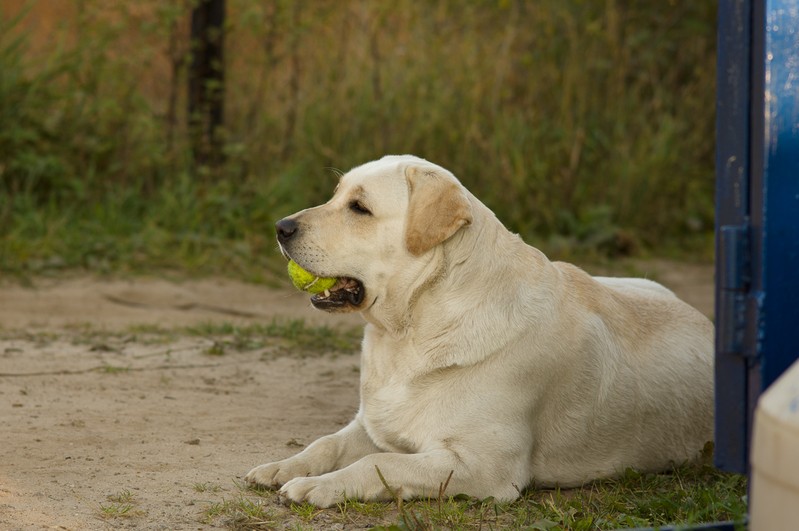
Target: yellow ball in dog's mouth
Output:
[(308, 282)]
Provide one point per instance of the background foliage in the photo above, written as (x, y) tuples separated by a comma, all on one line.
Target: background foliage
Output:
[(586, 125)]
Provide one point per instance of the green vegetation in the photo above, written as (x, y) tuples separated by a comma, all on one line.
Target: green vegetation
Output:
[(206, 487), (277, 337), (588, 126), (122, 505), (280, 336), (242, 513), (690, 494)]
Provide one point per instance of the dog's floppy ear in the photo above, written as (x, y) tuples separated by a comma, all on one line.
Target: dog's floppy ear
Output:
[(437, 209)]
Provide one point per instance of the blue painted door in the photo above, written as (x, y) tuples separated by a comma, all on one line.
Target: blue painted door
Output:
[(757, 214)]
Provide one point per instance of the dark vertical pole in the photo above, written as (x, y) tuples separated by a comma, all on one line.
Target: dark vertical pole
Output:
[(733, 87), (207, 79)]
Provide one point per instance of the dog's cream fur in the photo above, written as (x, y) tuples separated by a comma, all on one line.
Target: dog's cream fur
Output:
[(483, 359)]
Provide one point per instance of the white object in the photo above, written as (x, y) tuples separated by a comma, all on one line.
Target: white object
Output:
[(775, 456)]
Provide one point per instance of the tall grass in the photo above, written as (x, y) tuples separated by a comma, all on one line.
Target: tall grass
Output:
[(586, 125)]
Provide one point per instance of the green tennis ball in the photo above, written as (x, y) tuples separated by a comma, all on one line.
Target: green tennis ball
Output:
[(305, 281)]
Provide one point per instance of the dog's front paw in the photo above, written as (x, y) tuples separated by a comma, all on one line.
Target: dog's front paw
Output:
[(276, 474), (264, 475), (319, 491)]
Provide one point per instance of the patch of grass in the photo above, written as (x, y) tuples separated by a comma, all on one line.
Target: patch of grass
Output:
[(634, 501), (259, 508), (39, 339), (292, 335), (219, 349), (103, 340), (122, 505), (117, 510), (124, 496), (352, 509), (113, 369), (150, 335), (691, 494), (242, 513), (206, 487), (305, 511), (278, 337)]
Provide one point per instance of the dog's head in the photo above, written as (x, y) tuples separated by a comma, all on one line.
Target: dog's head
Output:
[(379, 234)]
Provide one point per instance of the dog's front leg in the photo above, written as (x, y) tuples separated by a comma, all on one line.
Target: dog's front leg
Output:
[(407, 476), (323, 455)]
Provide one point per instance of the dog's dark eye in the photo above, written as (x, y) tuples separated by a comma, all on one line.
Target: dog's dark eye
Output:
[(358, 208)]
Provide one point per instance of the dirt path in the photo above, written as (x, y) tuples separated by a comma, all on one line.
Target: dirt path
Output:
[(104, 426)]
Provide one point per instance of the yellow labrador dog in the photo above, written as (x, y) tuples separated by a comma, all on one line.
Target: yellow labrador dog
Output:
[(481, 358)]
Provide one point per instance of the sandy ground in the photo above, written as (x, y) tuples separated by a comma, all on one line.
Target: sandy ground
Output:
[(176, 430)]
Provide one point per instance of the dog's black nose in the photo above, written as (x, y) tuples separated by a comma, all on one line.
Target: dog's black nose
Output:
[(286, 229)]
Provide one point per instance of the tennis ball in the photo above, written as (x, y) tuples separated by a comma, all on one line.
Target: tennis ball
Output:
[(305, 281)]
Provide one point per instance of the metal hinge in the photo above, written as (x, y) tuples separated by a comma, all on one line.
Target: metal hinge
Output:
[(735, 279)]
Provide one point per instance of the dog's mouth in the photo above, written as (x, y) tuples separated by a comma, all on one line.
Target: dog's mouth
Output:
[(345, 293)]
